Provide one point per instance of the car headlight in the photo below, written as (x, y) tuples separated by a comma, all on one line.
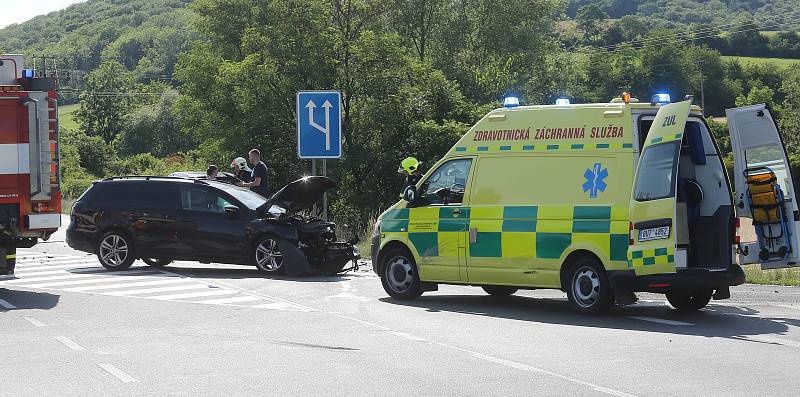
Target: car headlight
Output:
[(376, 230)]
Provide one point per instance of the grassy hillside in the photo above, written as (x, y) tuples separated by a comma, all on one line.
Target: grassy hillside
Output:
[(781, 63), (66, 115), (144, 35)]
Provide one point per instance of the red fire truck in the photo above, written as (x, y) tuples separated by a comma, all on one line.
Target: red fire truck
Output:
[(30, 197)]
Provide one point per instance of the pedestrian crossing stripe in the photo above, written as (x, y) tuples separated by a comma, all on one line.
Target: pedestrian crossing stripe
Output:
[(532, 232), (83, 274)]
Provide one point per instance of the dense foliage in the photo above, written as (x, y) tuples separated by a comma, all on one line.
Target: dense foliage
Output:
[(178, 84)]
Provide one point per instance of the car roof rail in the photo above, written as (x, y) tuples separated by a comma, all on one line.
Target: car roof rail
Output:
[(148, 177)]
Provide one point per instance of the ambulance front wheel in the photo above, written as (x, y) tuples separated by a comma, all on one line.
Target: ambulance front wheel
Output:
[(399, 275), (587, 286), (689, 302)]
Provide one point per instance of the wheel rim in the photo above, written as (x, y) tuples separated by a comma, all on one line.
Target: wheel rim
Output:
[(114, 250), (268, 256), (399, 274), (586, 286)]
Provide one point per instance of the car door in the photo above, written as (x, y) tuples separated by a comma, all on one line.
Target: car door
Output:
[(439, 223), (764, 189), (154, 218), (206, 229), (653, 200)]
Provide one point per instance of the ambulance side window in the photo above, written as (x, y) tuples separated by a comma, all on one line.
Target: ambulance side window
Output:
[(657, 172), (446, 185)]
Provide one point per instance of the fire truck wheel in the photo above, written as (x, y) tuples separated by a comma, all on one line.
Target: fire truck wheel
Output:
[(115, 251)]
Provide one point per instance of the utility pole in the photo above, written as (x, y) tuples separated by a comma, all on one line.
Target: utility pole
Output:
[(702, 90)]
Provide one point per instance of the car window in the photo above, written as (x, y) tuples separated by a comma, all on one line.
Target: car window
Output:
[(248, 197), (115, 193), (158, 195), (446, 185), (199, 199), (656, 178)]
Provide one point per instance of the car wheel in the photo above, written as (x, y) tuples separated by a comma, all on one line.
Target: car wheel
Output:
[(689, 302), (499, 291), (588, 288), (115, 251), (156, 262), (267, 256), (399, 275)]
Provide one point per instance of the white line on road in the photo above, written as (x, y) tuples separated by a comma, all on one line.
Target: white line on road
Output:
[(659, 320), (235, 299), (279, 306), (71, 276), (381, 327), (118, 373), (133, 282), (35, 322), (529, 368), (7, 304), (155, 290), (23, 275), (213, 292), (408, 336), (32, 270), (69, 343)]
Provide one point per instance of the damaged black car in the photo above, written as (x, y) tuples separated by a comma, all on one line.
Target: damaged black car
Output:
[(164, 219)]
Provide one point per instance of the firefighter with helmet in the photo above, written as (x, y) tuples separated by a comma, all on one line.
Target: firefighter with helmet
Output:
[(409, 167)]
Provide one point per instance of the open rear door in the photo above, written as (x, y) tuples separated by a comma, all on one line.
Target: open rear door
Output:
[(653, 202), (764, 189)]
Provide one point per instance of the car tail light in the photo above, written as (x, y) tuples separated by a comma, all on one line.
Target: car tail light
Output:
[(40, 206)]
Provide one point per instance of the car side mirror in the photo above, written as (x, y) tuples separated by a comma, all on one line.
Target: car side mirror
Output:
[(232, 211), (410, 194)]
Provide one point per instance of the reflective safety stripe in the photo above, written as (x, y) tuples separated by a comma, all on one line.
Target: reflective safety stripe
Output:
[(12, 256), (542, 232)]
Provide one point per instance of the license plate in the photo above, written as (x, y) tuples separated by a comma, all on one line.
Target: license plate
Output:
[(654, 233)]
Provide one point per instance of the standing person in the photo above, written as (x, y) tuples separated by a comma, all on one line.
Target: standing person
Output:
[(241, 169), (258, 178)]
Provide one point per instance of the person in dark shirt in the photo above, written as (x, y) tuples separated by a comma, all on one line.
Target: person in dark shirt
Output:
[(258, 178), (240, 169)]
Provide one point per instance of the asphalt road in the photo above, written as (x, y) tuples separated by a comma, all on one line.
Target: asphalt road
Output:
[(71, 328)]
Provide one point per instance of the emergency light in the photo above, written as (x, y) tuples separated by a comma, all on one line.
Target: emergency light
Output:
[(27, 73), (660, 99), (510, 102), (562, 101)]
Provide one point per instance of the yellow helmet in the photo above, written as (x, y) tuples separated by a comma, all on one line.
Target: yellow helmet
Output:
[(409, 165)]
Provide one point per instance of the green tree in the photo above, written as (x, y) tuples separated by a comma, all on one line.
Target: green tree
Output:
[(590, 20), (105, 101)]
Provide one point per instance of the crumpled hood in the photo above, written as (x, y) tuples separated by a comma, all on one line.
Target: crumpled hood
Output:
[(300, 194)]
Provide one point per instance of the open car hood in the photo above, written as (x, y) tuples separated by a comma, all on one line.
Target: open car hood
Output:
[(300, 194)]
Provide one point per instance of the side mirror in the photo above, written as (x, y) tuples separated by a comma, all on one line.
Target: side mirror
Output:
[(410, 194), (232, 211)]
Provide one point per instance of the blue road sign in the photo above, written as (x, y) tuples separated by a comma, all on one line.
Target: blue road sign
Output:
[(319, 124)]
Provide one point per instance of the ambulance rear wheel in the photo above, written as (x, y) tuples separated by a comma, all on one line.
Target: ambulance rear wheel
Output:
[(499, 291), (399, 275), (689, 302), (587, 286)]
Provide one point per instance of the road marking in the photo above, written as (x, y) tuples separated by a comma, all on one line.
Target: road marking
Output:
[(23, 275), (235, 299), (381, 327), (529, 368), (69, 343), (279, 306), (35, 322), (160, 289), (7, 304), (120, 284), (407, 336), (53, 278), (659, 320), (212, 292), (32, 270), (118, 373)]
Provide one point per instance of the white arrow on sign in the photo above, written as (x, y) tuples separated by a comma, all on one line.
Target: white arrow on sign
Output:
[(325, 130)]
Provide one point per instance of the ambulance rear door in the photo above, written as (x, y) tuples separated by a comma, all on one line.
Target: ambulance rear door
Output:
[(655, 225), (764, 190)]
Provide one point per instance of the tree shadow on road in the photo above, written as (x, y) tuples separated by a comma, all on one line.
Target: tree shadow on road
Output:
[(717, 321), (25, 300)]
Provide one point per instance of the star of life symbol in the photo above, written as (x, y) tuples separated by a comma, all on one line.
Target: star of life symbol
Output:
[(595, 180)]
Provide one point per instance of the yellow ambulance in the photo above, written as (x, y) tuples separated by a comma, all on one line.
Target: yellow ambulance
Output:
[(598, 200)]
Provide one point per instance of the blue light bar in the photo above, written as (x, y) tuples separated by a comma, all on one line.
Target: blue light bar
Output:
[(27, 73), (511, 102), (562, 101), (661, 99)]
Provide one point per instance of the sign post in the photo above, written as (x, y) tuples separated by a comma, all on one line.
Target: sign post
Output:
[(319, 130)]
